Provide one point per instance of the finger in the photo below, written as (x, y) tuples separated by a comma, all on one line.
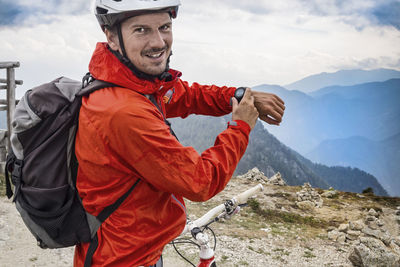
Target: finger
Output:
[(234, 103), (247, 95), (270, 108), (281, 106), (255, 111), (252, 100), (276, 106), (268, 120), (280, 110), (276, 116), (280, 101)]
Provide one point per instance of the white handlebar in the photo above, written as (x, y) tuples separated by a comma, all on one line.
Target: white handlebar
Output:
[(243, 197), (211, 214)]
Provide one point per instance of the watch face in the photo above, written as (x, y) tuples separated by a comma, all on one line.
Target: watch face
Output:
[(239, 93)]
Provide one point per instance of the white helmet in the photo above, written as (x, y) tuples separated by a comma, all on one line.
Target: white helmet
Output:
[(111, 12)]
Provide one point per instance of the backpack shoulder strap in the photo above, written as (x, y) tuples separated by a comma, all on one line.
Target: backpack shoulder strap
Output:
[(93, 86), (104, 214)]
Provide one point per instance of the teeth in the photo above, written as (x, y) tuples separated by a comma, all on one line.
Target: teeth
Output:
[(155, 55)]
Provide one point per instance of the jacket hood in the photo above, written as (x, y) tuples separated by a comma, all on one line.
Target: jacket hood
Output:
[(107, 67)]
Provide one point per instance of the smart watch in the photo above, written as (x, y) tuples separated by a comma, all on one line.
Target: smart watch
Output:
[(239, 93)]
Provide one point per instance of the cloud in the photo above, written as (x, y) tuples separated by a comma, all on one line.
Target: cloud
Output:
[(359, 13), (9, 12), (62, 47), (70, 7), (221, 42), (368, 63), (22, 12), (248, 6), (388, 14), (251, 6), (338, 7)]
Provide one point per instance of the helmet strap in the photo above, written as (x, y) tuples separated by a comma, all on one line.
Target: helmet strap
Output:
[(121, 40)]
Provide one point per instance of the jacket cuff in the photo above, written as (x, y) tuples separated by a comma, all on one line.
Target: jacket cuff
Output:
[(240, 125)]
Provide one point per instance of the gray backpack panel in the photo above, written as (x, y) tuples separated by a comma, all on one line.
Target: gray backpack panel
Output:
[(43, 165), (44, 128)]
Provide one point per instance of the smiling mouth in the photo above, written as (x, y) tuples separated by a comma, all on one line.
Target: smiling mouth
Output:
[(155, 55)]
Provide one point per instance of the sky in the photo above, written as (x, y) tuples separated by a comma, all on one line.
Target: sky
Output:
[(224, 42)]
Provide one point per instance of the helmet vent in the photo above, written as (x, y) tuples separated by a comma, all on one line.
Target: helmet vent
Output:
[(100, 10)]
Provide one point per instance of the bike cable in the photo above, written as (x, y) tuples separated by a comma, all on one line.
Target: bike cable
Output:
[(183, 241)]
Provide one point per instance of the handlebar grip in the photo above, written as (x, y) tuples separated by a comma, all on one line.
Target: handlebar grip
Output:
[(243, 197), (239, 199)]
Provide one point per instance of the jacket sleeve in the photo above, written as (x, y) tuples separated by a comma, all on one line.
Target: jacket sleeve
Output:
[(199, 99), (142, 140)]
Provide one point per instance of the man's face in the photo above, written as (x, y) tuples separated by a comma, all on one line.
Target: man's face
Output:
[(148, 40)]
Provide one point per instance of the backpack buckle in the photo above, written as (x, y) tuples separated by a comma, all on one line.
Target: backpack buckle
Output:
[(16, 176), (9, 169), (16, 173), (87, 79)]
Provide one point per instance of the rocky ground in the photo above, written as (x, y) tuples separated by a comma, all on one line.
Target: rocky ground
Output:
[(283, 226)]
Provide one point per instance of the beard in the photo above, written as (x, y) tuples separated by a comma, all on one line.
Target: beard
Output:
[(151, 77), (164, 75)]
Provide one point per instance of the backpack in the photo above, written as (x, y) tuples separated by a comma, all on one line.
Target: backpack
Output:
[(43, 165)]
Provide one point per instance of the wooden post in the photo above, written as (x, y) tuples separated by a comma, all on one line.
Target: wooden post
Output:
[(3, 150), (19, 82), (9, 105), (3, 146), (11, 102)]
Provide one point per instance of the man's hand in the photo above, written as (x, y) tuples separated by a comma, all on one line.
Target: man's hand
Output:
[(245, 110), (269, 106)]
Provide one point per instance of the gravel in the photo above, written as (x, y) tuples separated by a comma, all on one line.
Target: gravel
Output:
[(18, 248)]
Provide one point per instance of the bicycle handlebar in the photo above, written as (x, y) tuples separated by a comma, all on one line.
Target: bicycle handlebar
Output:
[(243, 197), (211, 214)]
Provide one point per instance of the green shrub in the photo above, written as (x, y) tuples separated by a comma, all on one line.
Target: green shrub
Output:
[(368, 191), (285, 217)]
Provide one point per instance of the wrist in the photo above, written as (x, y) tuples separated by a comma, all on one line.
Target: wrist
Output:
[(240, 125)]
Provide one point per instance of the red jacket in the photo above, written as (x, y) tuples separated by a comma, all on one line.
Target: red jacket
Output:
[(122, 137)]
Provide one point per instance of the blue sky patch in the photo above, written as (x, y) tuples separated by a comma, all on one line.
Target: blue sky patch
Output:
[(15, 12), (9, 12), (388, 14)]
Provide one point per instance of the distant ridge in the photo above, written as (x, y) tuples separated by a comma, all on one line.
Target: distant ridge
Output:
[(379, 158), (342, 78), (323, 125), (269, 155)]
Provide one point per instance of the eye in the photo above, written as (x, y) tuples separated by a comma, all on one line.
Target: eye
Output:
[(139, 30), (165, 27)]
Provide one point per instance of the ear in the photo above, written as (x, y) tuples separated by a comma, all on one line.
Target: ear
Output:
[(112, 39)]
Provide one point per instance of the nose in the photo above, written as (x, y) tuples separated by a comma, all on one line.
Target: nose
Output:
[(157, 40)]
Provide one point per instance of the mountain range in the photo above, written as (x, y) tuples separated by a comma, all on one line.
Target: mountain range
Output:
[(340, 129), (380, 158), (357, 125), (370, 110), (342, 78), (269, 155)]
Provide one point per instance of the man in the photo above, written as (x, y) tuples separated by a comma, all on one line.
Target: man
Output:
[(123, 137)]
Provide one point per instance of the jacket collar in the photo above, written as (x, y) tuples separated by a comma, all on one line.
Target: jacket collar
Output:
[(106, 67)]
